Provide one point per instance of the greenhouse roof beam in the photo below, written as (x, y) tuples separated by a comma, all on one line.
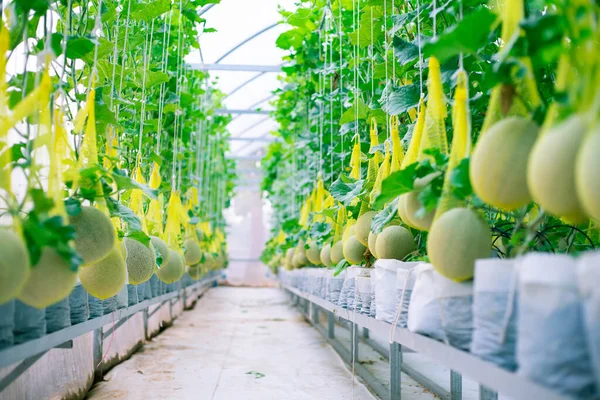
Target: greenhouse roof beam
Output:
[(206, 8), (222, 111), (235, 67), (252, 79), (254, 125), (243, 42), (251, 139)]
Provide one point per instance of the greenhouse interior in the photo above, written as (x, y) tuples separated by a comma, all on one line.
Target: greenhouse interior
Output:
[(324, 199)]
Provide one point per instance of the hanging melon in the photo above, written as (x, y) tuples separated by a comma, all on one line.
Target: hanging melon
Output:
[(173, 269), (14, 265), (325, 256), (498, 167), (337, 252), (192, 251), (457, 238), (372, 243), (551, 169), (314, 253), (289, 259), (141, 261), (588, 175), (105, 278), (363, 227), (94, 234), (354, 250), (161, 249), (411, 205), (395, 242)]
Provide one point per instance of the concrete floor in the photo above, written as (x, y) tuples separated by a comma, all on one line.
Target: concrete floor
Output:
[(238, 343)]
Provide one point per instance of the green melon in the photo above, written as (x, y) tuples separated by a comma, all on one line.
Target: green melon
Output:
[(551, 170), (325, 255), (192, 251), (363, 227), (354, 250), (289, 259), (162, 250), (313, 254), (105, 278), (395, 242), (337, 252), (403, 213), (50, 281), (588, 175), (94, 234), (140, 260), (372, 243), (457, 238), (195, 271), (498, 167), (349, 230), (14, 265), (173, 270)]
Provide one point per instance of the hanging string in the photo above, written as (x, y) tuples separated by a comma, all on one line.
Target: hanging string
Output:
[(115, 59), (147, 48), (434, 18), (321, 97), (177, 90), (341, 84), (330, 38), (460, 17), (165, 61), (385, 56), (420, 52)]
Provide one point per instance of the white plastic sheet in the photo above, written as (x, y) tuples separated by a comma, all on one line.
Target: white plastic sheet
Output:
[(424, 311), (589, 280), (455, 300), (385, 287)]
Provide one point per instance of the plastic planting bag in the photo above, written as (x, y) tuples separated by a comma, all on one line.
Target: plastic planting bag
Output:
[(95, 306), (363, 293), (405, 282), (348, 294), (385, 287), (424, 311), (30, 322), (495, 310), (154, 285), (7, 324), (78, 305), (334, 286), (147, 291), (552, 347), (109, 305), (132, 295), (58, 316), (589, 278), (373, 309), (455, 300)]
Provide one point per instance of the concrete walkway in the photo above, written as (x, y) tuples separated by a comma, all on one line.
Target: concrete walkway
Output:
[(238, 343)]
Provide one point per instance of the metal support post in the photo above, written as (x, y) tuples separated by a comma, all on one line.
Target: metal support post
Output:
[(98, 338), (315, 314), (306, 306), (145, 316), (455, 385), (354, 340), (330, 325), (366, 333), (395, 371), (487, 394)]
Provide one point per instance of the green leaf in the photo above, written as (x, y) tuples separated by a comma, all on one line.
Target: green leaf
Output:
[(346, 192), (41, 203), (140, 237), (291, 39), (359, 107), (124, 183), (397, 183), (404, 51), (127, 216), (384, 217), (466, 37), (460, 181), (402, 99), (78, 47), (342, 265), (153, 78), (149, 11), (73, 206)]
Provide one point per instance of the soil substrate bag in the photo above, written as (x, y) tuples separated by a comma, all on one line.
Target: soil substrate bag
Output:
[(552, 347), (363, 287), (334, 286), (154, 284), (109, 305), (405, 282), (385, 287), (455, 300), (373, 309), (78, 305), (58, 316), (30, 322), (95, 306), (132, 295), (495, 310), (589, 279), (424, 311), (7, 324), (122, 298)]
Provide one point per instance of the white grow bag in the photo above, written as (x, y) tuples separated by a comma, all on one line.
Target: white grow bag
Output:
[(348, 294), (334, 285), (589, 279), (385, 287), (424, 311), (455, 301), (363, 295), (551, 346)]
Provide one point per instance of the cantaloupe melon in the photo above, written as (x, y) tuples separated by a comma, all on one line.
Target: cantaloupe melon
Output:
[(140, 261), (173, 270), (50, 281), (457, 238), (289, 259), (395, 242), (411, 205), (300, 255), (94, 234), (123, 249), (498, 167), (349, 230), (161, 249), (354, 250), (105, 278), (337, 252), (192, 251), (402, 212), (372, 243), (588, 175), (313, 254), (363, 227), (195, 271), (325, 256), (14, 265), (551, 169)]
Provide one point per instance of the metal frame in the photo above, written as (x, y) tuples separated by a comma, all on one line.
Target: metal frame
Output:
[(246, 82), (491, 378), (250, 139), (249, 38), (236, 111), (235, 67), (40, 346)]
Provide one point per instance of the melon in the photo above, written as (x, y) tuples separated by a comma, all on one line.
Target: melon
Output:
[(123, 250), (337, 253), (161, 249), (14, 265), (402, 212), (94, 234), (363, 227), (551, 169), (300, 256), (289, 258), (354, 250), (372, 243), (325, 256), (498, 169), (195, 271), (173, 270), (457, 238), (588, 175), (314, 253), (140, 261), (209, 260), (50, 280), (192, 251), (395, 242), (105, 278), (349, 230)]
